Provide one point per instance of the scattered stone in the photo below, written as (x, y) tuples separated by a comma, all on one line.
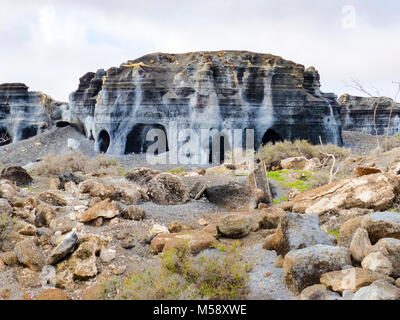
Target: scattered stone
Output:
[(141, 176), (295, 163), (364, 171), (44, 215), (318, 292), (5, 293), (234, 196), (53, 198), (392, 247), (5, 207), (303, 268), (168, 189), (196, 241), (17, 175), (157, 229), (296, 231), (28, 278), (68, 177), (29, 254), (378, 290), (64, 248), (258, 180), (52, 294), (129, 195), (104, 209), (97, 189), (352, 279), (197, 190), (271, 217), (107, 255), (279, 262), (9, 258), (62, 224), (360, 244), (377, 262), (176, 227), (397, 283), (234, 225), (133, 213)]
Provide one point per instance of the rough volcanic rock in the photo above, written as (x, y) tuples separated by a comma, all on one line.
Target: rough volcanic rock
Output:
[(17, 175), (29, 254), (303, 268), (357, 114), (24, 114), (168, 189), (296, 231), (374, 191), (378, 290), (223, 90)]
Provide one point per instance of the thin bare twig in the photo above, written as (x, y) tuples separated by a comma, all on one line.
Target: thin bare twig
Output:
[(332, 173)]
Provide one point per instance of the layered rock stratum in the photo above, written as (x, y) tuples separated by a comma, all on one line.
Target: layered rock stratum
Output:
[(367, 114), (222, 90), (24, 114)]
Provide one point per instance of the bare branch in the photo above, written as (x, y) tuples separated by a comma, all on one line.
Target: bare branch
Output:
[(332, 173)]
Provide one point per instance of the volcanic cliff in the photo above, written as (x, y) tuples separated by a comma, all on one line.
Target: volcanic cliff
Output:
[(222, 90), (24, 114)]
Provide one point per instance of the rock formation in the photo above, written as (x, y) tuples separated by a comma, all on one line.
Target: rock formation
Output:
[(222, 90), (357, 114), (24, 114)]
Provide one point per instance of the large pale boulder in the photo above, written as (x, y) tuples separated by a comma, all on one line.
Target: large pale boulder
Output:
[(296, 231), (378, 225), (303, 268), (318, 292), (360, 244), (352, 279), (374, 191), (392, 246), (378, 290), (195, 240), (105, 209), (376, 261), (97, 189), (234, 225), (168, 189)]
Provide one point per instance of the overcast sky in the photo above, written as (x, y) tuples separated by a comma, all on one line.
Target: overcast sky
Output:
[(49, 44)]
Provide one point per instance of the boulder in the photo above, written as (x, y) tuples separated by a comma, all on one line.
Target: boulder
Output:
[(141, 176), (97, 189), (364, 171), (375, 191), (234, 196), (29, 254), (271, 217), (376, 261), (105, 209), (378, 290), (5, 207), (9, 191), (168, 189), (68, 177), (64, 248), (259, 181), (360, 244), (318, 292), (352, 279), (234, 225), (44, 215), (176, 227), (392, 247), (196, 241), (107, 255), (53, 198), (133, 213), (296, 231), (52, 294), (295, 163), (303, 268), (17, 175), (378, 225)]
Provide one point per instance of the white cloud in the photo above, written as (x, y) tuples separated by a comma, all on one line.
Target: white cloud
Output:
[(49, 44)]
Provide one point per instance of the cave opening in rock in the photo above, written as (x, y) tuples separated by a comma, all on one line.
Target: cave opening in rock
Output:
[(218, 146), (271, 136), (104, 141), (5, 137), (29, 132), (136, 140), (62, 124)]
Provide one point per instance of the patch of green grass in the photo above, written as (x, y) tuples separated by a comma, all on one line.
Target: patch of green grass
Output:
[(177, 170), (283, 177), (183, 276), (334, 233)]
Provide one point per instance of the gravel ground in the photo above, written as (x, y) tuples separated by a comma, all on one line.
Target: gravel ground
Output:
[(266, 281)]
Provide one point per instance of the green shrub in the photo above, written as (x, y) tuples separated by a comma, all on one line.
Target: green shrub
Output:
[(54, 165), (177, 170), (183, 276)]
